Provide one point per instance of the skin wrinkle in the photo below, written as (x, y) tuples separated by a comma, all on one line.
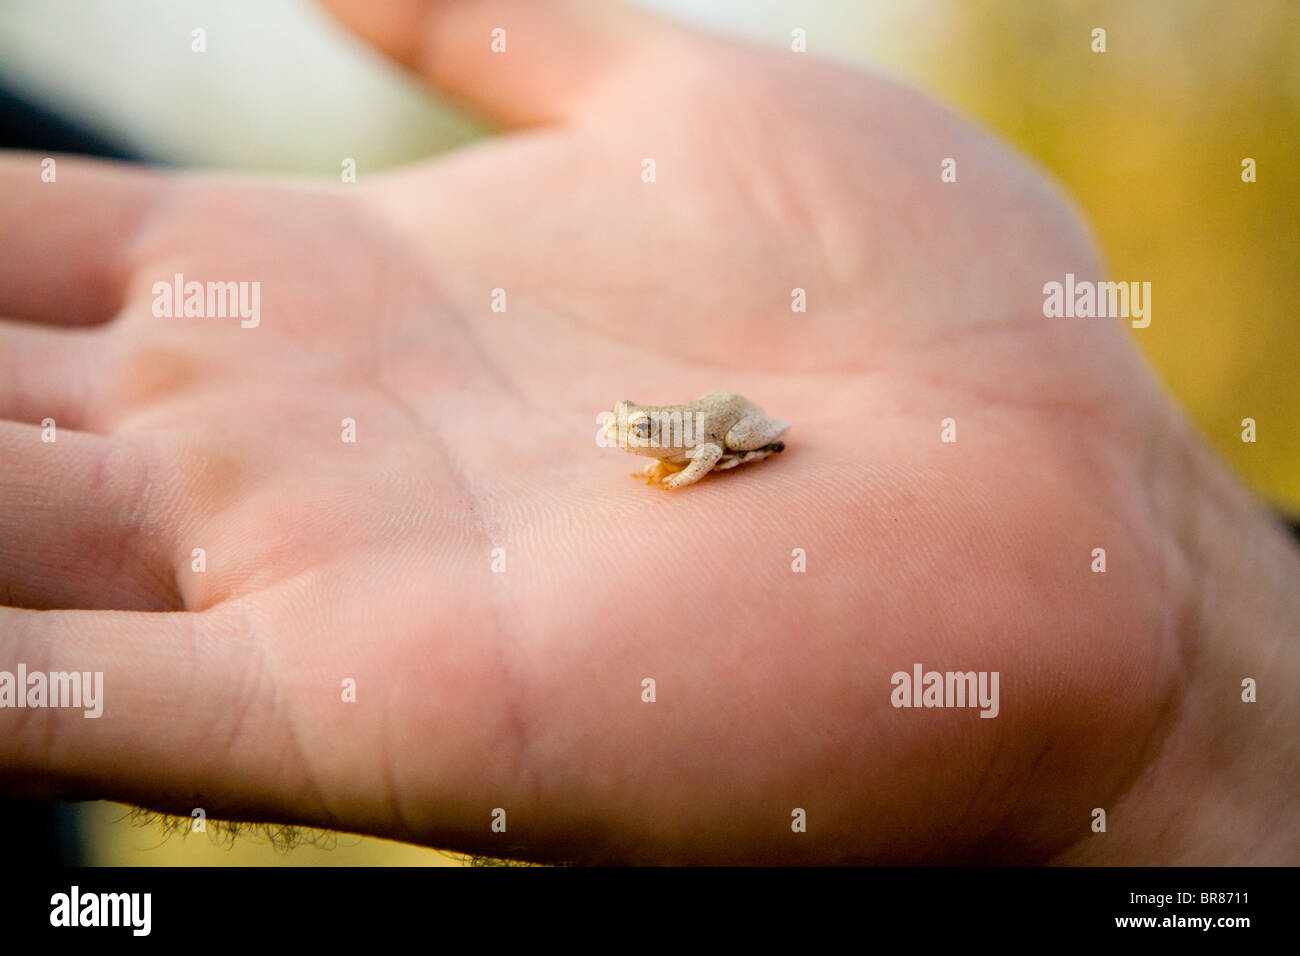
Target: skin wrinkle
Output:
[(776, 183), (426, 266), (1167, 469), (1158, 739), (121, 551), (994, 397), (130, 262), (513, 718), (988, 780), (150, 542), (949, 340), (256, 669), (1014, 324), (290, 732), (127, 556), (110, 347), (231, 809), (643, 348), (1186, 619), (73, 404), (512, 687), (388, 764), (44, 662), (1166, 717), (563, 309), (1006, 824), (646, 349)]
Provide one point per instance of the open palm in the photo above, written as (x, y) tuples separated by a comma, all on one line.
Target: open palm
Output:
[(494, 583)]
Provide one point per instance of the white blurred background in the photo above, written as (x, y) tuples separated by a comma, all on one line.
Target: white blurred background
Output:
[(283, 88)]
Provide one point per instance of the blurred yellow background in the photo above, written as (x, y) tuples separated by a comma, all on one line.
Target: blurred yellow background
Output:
[(1148, 136)]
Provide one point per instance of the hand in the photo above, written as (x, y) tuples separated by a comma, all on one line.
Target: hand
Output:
[(372, 561)]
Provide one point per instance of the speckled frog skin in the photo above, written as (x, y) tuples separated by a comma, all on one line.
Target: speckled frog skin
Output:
[(687, 441)]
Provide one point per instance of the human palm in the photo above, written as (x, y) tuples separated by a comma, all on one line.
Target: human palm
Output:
[(494, 583)]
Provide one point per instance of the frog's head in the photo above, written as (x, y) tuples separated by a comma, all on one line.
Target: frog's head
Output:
[(642, 430)]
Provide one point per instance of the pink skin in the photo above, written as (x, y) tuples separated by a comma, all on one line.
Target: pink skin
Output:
[(522, 690)]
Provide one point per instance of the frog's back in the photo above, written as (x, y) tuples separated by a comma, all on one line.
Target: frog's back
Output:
[(724, 403), (722, 410)]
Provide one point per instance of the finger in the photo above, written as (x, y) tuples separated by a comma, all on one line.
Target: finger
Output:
[(221, 710), (544, 62), (82, 522), (148, 720), (48, 372), (64, 243)]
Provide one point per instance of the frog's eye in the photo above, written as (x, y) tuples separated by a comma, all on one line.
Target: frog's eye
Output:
[(642, 428)]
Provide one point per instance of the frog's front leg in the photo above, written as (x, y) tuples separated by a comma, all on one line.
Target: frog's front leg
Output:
[(702, 461)]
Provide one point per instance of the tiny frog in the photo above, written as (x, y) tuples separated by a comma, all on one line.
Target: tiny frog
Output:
[(713, 433)]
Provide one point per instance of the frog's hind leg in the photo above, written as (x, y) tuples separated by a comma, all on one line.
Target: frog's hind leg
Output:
[(744, 457), (757, 433)]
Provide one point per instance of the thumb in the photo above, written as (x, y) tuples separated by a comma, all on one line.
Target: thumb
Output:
[(520, 62)]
